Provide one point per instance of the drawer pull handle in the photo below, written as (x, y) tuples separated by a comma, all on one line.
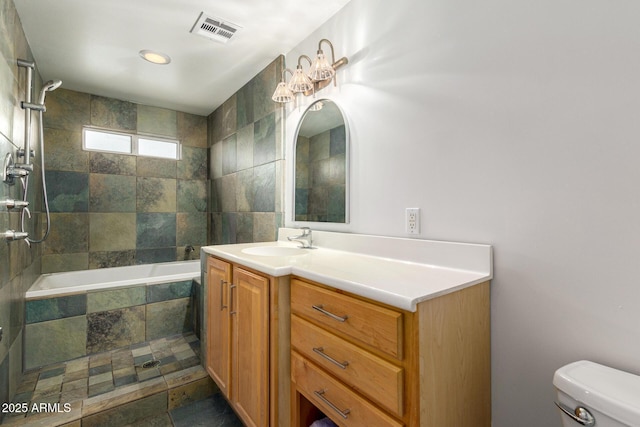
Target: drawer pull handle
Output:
[(344, 414), (331, 315), (231, 298), (222, 306), (320, 351)]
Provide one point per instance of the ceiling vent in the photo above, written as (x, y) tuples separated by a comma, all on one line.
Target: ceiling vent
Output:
[(215, 28)]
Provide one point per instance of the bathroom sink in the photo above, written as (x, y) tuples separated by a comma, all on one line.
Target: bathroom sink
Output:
[(274, 251)]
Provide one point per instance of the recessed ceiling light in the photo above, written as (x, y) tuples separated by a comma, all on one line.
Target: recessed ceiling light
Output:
[(155, 57)]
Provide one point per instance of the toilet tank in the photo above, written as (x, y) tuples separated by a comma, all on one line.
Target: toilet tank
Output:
[(610, 395)]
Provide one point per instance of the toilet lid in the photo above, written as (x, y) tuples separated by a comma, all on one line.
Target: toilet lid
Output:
[(613, 392)]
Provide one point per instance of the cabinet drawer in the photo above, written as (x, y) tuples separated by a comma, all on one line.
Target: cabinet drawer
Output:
[(376, 326), (334, 399), (370, 375)]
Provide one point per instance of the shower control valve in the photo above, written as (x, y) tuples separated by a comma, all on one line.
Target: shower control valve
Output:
[(11, 203), (11, 235), (20, 152)]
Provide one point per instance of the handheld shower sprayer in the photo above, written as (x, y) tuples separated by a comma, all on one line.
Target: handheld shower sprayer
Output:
[(49, 86)]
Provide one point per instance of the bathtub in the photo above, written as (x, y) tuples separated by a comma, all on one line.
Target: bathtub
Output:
[(74, 282)]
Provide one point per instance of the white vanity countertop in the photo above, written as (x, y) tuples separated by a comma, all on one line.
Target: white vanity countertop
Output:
[(395, 271)]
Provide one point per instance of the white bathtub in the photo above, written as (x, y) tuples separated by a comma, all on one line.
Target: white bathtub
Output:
[(73, 282)]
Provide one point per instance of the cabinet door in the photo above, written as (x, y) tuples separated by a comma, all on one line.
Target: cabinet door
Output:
[(250, 354), (219, 324)]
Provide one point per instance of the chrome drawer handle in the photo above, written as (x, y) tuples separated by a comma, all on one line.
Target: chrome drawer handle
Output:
[(344, 414), (580, 415), (320, 351), (331, 315)]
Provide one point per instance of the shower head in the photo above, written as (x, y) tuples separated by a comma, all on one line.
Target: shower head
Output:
[(48, 87)]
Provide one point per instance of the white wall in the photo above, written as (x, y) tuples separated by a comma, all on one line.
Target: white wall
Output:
[(516, 124)]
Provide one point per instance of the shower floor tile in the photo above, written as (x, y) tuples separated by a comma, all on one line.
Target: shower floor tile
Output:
[(102, 382)]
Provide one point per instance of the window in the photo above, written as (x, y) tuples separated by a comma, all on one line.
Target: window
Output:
[(94, 140), (126, 143)]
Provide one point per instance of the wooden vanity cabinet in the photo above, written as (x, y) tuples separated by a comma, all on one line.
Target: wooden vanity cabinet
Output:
[(363, 363), (244, 340)]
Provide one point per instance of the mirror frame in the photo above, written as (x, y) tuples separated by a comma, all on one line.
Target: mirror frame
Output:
[(346, 166)]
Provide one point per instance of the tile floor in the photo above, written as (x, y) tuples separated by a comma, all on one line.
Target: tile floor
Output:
[(120, 388)]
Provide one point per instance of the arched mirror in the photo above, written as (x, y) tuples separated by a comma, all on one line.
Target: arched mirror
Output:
[(321, 190)]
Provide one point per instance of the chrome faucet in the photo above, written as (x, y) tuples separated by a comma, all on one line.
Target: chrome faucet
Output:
[(187, 251), (305, 238)]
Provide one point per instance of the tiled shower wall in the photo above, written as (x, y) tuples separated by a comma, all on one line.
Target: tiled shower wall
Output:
[(113, 209), (19, 264), (247, 162), (320, 176)]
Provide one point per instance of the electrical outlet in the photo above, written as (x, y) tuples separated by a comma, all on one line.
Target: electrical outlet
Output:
[(413, 220)]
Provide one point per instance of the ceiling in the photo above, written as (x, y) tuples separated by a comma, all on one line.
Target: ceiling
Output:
[(92, 46)]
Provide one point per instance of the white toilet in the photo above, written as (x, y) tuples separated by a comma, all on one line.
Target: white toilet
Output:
[(590, 394)]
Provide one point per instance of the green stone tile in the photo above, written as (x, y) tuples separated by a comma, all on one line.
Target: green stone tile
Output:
[(265, 227), (244, 233), (229, 116), (214, 125), (5, 317), (320, 147), (112, 231), (152, 256), (63, 150), (169, 291), (117, 164), (264, 143), (215, 160), (193, 164), (129, 413), (228, 228), (157, 121), (112, 193), (55, 308), (191, 229), (192, 130), (264, 188), (67, 191), (228, 193), (229, 159), (244, 190), (117, 298), (192, 196), (105, 259), (168, 318), (109, 330), (263, 86), (65, 262), (155, 230), (156, 195), (244, 149), (55, 341), (67, 109), (69, 233), (157, 168), (244, 104), (191, 392), (112, 113)]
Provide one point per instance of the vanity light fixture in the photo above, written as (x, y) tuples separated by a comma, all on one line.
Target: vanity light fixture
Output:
[(300, 82), (283, 93), (321, 73), (155, 57)]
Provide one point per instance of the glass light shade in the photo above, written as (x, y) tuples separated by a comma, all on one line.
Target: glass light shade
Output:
[(300, 82), (155, 57), (321, 69), (282, 93)]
